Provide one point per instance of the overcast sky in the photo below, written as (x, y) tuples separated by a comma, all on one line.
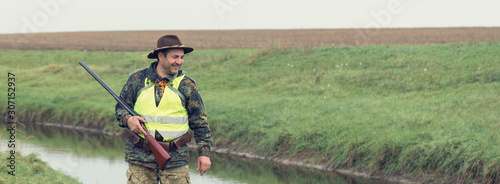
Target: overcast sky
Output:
[(32, 16)]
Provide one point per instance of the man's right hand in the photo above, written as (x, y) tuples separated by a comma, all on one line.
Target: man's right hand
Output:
[(135, 125)]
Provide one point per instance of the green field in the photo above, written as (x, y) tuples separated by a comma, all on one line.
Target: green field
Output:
[(29, 169), (430, 110)]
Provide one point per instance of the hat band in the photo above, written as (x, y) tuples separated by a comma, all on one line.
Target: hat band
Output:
[(172, 46)]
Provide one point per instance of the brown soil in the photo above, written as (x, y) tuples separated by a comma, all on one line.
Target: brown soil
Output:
[(230, 39)]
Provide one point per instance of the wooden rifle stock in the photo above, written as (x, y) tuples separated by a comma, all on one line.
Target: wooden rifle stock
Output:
[(161, 156)]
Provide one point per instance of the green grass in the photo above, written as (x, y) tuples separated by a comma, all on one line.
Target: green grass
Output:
[(30, 169), (387, 109)]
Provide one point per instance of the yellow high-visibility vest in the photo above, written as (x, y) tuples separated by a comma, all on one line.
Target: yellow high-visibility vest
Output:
[(170, 118)]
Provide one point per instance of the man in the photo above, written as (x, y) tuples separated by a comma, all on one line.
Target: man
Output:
[(170, 103)]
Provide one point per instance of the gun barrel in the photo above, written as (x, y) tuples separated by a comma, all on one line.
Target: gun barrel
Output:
[(162, 157), (110, 91)]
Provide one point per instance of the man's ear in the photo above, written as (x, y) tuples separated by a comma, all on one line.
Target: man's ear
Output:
[(160, 54)]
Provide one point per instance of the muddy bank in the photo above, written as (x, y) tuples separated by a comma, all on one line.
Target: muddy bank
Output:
[(299, 163), (80, 128)]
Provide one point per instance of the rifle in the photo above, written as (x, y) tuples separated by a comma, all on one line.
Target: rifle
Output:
[(161, 156)]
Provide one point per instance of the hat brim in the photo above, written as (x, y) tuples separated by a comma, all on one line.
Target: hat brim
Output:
[(154, 53)]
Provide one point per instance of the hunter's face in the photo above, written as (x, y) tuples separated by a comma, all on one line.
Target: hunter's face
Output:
[(172, 61)]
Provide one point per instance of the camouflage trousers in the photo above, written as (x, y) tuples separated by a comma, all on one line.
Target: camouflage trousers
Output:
[(139, 174)]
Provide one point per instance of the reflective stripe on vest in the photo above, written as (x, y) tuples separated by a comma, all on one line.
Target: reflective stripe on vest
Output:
[(170, 118)]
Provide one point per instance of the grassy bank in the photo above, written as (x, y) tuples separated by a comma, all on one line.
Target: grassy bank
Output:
[(429, 109), (30, 169)]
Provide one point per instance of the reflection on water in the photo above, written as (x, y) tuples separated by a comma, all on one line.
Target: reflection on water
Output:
[(96, 169), (255, 171), (88, 169), (97, 158)]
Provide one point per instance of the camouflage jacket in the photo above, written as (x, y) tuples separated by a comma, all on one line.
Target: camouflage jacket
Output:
[(193, 104)]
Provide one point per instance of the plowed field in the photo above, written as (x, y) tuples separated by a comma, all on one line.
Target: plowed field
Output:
[(228, 39)]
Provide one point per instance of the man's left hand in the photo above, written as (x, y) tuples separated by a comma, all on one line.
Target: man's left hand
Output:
[(205, 163)]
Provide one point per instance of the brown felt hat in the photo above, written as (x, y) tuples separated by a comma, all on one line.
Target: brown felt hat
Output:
[(168, 42)]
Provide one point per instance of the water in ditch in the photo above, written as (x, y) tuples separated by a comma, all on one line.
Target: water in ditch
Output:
[(98, 158)]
